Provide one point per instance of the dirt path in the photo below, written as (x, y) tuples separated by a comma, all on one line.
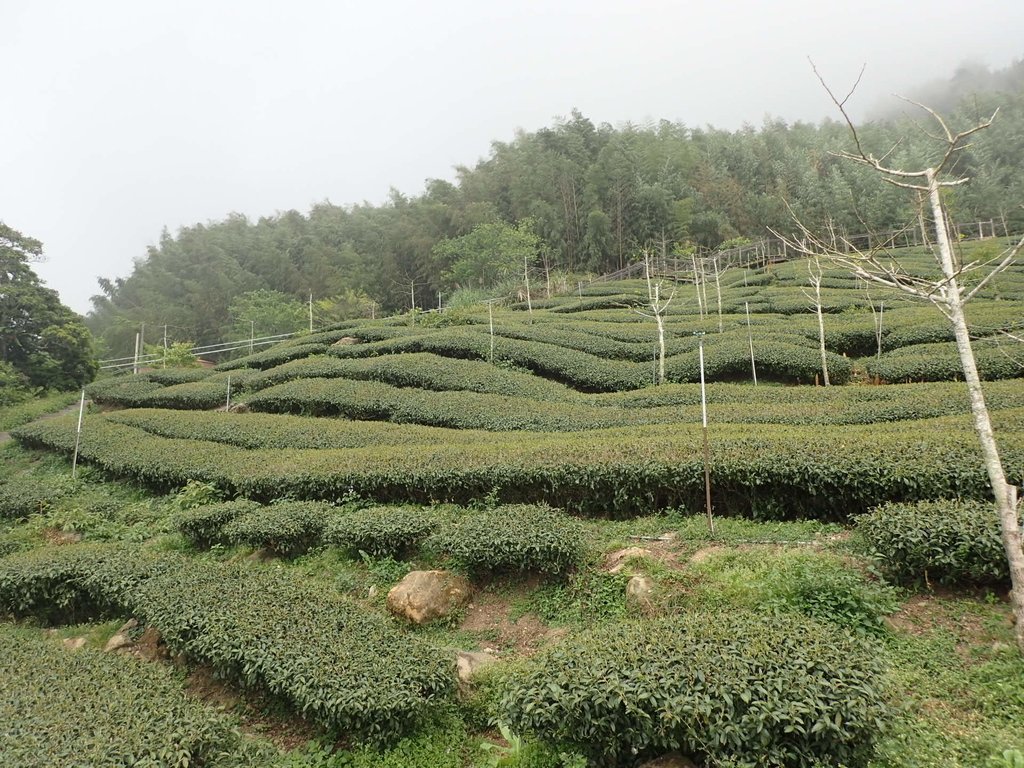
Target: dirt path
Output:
[(6, 436)]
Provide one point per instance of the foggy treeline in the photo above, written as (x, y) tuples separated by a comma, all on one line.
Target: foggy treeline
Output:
[(594, 195)]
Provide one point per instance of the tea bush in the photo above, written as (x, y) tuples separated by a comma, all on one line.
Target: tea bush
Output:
[(734, 689), (203, 525), (513, 538), (941, 362), (170, 376), (101, 709), (777, 472), (24, 495), (945, 542), (335, 662), (277, 354), (287, 528), (382, 531)]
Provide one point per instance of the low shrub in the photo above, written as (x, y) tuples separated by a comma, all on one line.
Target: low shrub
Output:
[(941, 362), (287, 528), (280, 353), (101, 709), (513, 538), (943, 542), (24, 495), (337, 663), (382, 531), (734, 689), (171, 376), (202, 525)]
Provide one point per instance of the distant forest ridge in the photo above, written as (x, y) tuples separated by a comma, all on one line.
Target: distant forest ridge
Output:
[(582, 198)]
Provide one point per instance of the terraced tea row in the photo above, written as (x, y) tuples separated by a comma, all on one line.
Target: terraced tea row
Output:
[(339, 664), (777, 472)]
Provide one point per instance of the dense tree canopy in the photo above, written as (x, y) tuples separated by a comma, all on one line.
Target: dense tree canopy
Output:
[(41, 340), (591, 196)]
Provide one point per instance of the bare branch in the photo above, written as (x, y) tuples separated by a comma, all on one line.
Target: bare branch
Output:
[(1008, 259)]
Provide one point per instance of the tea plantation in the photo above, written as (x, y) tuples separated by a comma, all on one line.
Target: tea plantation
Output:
[(848, 609)]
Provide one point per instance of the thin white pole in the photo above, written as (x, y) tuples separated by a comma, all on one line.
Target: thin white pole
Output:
[(135, 362), (490, 319), (227, 405), (252, 334), (78, 436), (310, 311)]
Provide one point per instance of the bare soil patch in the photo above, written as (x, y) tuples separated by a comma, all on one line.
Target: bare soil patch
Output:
[(488, 615)]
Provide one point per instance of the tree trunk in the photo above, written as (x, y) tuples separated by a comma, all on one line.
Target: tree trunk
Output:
[(821, 341), (1005, 494)]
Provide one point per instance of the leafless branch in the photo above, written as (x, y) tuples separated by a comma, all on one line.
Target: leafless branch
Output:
[(1008, 259)]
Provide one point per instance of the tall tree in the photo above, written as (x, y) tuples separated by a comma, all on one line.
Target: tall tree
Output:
[(41, 338)]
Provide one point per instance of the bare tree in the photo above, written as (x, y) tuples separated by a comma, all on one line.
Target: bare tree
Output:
[(815, 273), (949, 293), (658, 305), (696, 284), (718, 288)]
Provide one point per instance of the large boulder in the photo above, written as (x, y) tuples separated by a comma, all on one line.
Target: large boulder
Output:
[(424, 596)]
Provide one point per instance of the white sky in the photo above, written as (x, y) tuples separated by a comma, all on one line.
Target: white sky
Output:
[(120, 118)]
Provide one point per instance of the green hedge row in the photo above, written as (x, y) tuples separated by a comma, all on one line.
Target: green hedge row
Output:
[(774, 472), (941, 362), (577, 369), (732, 689), (202, 525), (24, 495), (725, 357), (373, 401), (170, 376), (277, 354), (264, 430), (941, 542), (420, 370), (516, 538), (90, 708), (334, 661)]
